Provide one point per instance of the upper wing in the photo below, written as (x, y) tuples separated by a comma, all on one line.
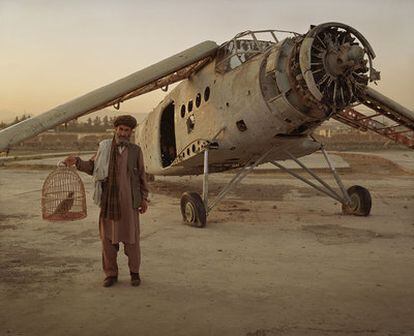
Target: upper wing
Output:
[(168, 71), (399, 123)]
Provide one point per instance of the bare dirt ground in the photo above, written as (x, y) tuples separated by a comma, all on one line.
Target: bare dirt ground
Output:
[(277, 258)]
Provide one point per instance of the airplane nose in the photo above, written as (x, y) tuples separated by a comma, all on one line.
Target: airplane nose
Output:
[(335, 65), (308, 78)]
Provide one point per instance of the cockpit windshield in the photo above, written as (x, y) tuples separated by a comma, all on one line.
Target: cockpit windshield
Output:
[(244, 46)]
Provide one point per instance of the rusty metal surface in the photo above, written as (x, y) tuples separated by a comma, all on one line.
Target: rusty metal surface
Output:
[(358, 120), (388, 107), (397, 121)]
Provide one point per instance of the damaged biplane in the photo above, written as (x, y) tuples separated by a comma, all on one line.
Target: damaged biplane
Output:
[(249, 101)]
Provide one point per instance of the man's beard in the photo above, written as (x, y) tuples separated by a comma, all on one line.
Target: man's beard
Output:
[(121, 140)]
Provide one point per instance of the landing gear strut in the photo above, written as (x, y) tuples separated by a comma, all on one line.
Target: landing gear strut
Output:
[(356, 200), (195, 209)]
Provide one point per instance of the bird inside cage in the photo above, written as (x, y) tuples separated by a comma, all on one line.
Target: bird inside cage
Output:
[(63, 196), (65, 205)]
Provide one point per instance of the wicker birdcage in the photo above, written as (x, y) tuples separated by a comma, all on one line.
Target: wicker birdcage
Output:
[(63, 196)]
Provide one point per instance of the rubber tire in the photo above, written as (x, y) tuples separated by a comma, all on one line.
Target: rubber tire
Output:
[(200, 217), (362, 199)]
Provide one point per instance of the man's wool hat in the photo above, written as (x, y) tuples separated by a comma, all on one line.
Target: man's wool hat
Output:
[(125, 120)]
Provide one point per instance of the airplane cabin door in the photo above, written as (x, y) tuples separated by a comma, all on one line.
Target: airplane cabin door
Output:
[(167, 135)]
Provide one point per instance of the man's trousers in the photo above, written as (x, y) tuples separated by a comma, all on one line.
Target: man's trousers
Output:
[(109, 254)]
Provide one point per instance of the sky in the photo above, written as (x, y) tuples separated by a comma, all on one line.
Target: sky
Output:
[(54, 51)]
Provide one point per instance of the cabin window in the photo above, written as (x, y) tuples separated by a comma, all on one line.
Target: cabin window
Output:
[(206, 94), (182, 111), (190, 106), (198, 100), (190, 123)]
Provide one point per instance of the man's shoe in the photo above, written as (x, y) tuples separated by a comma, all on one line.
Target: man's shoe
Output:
[(135, 279), (109, 281)]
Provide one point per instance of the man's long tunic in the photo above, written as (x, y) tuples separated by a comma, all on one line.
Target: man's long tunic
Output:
[(126, 229)]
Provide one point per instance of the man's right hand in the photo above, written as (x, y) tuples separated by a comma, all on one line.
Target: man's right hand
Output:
[(70, 160)]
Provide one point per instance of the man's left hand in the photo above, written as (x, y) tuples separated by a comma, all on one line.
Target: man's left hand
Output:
[(144, 207)]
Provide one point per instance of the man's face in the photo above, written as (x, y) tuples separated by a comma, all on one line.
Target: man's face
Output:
[(123, 134)]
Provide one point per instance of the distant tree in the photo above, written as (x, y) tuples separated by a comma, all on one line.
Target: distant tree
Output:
[(97, 121)]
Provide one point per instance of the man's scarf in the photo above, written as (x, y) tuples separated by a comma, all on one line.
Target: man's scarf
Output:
[(110, 206)]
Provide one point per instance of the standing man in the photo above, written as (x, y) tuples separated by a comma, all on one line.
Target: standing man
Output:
[(121, 191)]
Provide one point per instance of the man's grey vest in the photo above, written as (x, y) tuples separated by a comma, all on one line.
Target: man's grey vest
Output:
[(134, 173)]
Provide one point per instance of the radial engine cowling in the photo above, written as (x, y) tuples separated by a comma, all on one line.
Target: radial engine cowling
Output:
[(319, 73)]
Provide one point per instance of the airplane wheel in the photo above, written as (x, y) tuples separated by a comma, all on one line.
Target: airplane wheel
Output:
[(360, 202), (193, 210)]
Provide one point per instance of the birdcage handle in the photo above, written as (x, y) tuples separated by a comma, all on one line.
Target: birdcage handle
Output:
[(61, 164)]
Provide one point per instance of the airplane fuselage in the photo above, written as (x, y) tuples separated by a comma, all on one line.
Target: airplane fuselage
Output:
[(230, 109)]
